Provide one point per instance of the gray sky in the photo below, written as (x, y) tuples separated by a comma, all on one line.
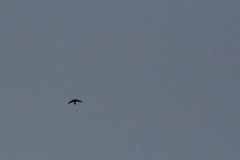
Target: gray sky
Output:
[(158, 80)]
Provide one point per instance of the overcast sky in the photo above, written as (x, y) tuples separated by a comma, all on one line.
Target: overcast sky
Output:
[(158, 80)]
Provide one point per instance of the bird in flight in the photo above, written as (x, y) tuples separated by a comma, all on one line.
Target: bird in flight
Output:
[(75, 101)]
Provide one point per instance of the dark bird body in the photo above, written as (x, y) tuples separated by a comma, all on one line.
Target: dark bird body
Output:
[(75, 101)]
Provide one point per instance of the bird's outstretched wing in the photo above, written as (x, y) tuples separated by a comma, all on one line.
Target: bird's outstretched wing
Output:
[(78, 100), (71, 101)]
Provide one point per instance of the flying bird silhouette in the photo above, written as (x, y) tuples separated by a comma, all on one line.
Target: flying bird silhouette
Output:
[(75, 101)]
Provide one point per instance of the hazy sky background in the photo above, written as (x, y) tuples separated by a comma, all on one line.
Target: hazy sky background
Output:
[(158, 80)]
